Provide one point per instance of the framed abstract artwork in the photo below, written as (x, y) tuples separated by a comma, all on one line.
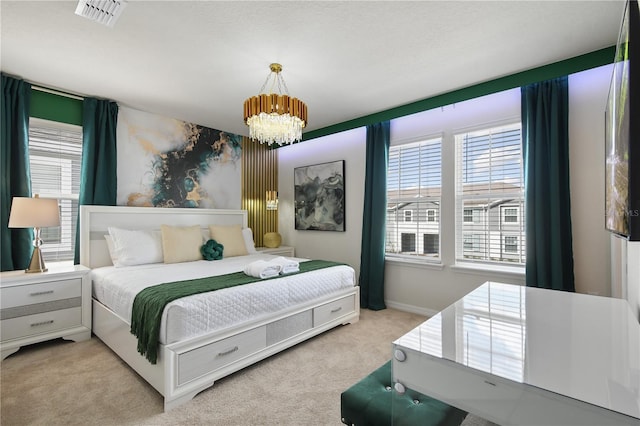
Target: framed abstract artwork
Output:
[(319, 197), (164, 162)]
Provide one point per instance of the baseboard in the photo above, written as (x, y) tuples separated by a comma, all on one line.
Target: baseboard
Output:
[(410, 308)]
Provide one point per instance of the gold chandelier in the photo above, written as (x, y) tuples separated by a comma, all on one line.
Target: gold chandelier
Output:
[(274, 117)]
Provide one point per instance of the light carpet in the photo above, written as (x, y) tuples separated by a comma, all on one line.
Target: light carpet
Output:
[(85, 383)]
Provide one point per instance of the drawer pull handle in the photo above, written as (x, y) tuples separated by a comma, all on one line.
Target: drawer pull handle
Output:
[(333, 311), (40, 293), (228, 351), (37, 324), (489, 383)]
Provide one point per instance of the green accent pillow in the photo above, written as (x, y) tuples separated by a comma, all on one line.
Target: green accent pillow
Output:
[(212, 250)]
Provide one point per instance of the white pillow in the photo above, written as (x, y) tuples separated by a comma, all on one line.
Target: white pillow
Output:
[(112, 251), (247, 234), (135, 247)]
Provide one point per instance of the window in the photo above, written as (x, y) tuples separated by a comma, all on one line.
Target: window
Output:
[(489, 195), (467, 215), (408, 242), (413, 199), (55, 155), (408, 215), (510, 244), (471, 243), (510, 214), (431, 243)]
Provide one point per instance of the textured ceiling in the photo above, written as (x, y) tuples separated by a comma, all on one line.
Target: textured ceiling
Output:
[(198, 60)]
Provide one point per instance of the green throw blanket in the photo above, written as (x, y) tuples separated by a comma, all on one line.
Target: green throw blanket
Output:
[(149, 304)]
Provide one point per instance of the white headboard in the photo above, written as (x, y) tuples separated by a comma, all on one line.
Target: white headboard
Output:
[(94, 221)]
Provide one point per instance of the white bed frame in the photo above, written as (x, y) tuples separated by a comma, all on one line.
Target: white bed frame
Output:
[(188, 367)]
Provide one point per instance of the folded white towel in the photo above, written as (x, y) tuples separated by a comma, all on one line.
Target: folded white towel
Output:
[(262, 269), (288, 265)]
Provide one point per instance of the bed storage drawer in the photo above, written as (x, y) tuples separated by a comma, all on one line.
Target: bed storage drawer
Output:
[(216, 355), (332, 310), (46, 322)]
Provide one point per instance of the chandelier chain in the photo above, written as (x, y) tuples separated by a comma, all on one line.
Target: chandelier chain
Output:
[(276, 79)]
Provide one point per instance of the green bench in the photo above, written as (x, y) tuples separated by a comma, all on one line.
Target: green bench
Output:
[(372, 401)]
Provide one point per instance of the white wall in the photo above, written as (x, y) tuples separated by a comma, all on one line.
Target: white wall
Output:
[(425, 289), (338, 246), (588, 92)]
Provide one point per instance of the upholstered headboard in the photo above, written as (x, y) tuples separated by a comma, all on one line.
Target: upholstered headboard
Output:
[(94, 221)]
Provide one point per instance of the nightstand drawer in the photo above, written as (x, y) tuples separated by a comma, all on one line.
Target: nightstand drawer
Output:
[(40, 323), (38, 293)]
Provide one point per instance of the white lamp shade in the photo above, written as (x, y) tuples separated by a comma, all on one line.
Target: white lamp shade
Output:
[(34, 212)]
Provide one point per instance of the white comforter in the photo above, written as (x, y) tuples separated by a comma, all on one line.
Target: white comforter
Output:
[(116, 288)]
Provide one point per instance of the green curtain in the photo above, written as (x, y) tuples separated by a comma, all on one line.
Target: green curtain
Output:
[(16, 244), (374, 217), (99, 157), (545, 143)]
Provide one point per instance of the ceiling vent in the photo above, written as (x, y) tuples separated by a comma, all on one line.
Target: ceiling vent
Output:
[(105, 12)]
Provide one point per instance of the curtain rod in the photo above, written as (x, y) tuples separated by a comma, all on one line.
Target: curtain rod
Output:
[(57, 92)]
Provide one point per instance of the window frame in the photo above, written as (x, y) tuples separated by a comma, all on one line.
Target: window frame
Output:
[(420, 224), (484, 221), (62, 250)]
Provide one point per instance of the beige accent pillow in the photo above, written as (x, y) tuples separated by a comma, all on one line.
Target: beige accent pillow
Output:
[(231, 238), (181, 243)]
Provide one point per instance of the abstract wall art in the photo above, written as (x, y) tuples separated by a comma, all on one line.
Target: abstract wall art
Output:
[(319, 197), (164, 162)]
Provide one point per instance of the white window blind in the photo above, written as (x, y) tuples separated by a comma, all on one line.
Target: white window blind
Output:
[(413, 191), (490, 195), (55, 155)]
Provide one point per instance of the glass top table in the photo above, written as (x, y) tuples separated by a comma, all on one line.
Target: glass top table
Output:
[(522, 355)]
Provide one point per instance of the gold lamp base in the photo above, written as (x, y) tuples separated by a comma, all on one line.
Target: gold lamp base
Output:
[(272, 240), (37, 262)]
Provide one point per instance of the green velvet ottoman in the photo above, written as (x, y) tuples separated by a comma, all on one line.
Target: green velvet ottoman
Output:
[(370, 401)]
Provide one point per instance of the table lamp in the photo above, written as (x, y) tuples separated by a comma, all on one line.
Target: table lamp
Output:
[(34, 213)]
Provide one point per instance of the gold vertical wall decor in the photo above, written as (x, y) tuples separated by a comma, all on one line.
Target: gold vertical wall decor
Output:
[(259, 175)]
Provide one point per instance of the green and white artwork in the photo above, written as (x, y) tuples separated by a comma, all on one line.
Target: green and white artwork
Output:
[(164, 162)]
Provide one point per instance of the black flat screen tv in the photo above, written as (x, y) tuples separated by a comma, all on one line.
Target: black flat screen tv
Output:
[(622, 131)]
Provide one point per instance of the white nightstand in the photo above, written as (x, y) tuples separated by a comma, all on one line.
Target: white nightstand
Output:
[(277, 251), (42, 306)]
